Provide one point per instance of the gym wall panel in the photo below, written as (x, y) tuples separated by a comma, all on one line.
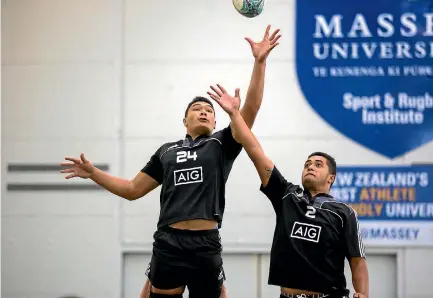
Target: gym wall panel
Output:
[(61, 96), (138, 229), (38, 159), (241, 274), (58, 254), (201, 30), (60, 101), (133, 271), (52, 31), (418, 272)]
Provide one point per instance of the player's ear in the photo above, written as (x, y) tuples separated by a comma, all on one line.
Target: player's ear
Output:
[(331, 179), (184, 122)]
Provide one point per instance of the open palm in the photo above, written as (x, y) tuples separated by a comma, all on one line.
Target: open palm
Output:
[(262, 49), (78, 167), (228, 103)]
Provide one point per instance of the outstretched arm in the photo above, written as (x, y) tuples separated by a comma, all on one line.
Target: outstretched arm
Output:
[(260, 52), (127, 189), (244, 134)]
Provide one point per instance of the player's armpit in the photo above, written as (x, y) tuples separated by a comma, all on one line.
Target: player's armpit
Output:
[(266, 175), (358, 267), (275, 187), (142, 184), (268, 171)]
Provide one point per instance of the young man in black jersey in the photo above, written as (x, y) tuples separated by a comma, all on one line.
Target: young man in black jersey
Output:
[(192, 173), (314, 233)]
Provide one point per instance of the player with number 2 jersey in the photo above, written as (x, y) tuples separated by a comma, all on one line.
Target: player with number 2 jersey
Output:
[(314, 233)]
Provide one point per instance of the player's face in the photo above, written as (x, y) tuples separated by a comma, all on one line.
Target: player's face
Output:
[(315, 175), (200, 118)]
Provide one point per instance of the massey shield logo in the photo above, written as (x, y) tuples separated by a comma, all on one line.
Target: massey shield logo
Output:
[(366, 67)]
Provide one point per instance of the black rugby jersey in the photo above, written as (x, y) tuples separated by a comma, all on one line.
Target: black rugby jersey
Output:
[(193, 174), (312, 238)]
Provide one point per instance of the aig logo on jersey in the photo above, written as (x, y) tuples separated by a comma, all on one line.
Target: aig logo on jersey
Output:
[(306, 231), (188, 176)]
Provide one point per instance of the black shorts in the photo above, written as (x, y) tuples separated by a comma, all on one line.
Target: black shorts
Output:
[(187, 258)]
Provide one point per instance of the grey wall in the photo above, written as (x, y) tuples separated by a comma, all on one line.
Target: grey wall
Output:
[(111, 78)]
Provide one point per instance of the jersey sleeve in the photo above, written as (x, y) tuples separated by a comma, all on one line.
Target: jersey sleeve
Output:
[(276, 188), (353, 239), (153, 168), (231, 147)]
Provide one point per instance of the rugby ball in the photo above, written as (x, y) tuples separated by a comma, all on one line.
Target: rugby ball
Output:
[(249, 8)]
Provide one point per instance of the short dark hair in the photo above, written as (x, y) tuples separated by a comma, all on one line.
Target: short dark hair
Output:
[(330, 161), (197, 99)]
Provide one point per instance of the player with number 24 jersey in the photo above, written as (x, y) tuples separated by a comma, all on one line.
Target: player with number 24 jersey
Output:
[(187, 169)]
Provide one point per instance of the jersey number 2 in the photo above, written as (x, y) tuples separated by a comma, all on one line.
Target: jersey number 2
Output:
[(182, 156), (311, 211)]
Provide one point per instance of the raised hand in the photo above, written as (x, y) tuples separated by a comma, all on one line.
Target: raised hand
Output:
[(227, 102), (78, 167), (262, 49)]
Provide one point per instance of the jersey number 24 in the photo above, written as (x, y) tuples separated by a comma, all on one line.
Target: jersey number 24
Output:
[(183, 156)]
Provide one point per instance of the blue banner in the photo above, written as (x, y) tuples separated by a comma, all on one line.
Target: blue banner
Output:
[(366, 67), (403, 193), (394, 203)]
